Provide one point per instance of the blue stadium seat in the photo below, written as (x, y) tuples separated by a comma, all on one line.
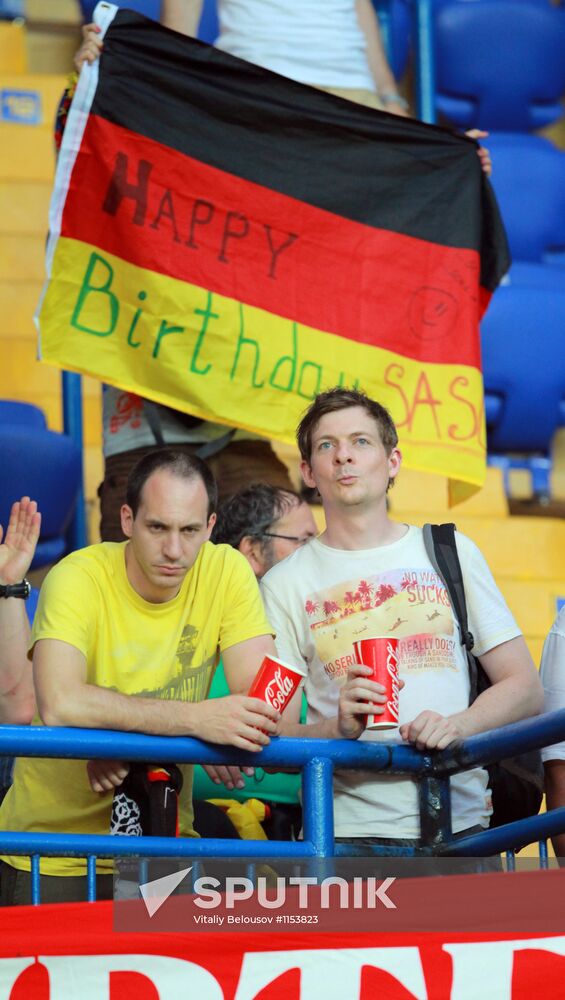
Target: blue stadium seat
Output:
[(523, 274), (529, 180), (13, 411), (396, 27), (522, 334), (44, 465), (500, 64)]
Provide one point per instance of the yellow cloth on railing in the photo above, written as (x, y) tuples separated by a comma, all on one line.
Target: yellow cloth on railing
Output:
[(245, 816)]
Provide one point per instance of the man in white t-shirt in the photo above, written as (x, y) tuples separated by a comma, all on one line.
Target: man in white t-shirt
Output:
[(370, 575), (552, 672)]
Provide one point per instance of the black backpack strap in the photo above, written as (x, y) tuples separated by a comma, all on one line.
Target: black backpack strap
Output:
[(206, 450), (218, 444), (441, 548)]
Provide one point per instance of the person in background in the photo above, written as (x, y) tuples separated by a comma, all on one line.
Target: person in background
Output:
[(266, 524), (330, 44), (552, 673)]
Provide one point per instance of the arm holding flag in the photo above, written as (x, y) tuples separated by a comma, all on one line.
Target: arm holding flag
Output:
[(91, 46)]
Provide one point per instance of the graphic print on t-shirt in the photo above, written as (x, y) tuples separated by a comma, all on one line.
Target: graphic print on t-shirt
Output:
[(191, 681), (412, 605), (129, 408)]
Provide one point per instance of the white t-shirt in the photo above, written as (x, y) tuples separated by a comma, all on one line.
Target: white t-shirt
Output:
[(552, 673), (312, 41), (320, 600)]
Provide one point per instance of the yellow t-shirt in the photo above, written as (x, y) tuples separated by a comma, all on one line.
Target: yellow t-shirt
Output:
[(153, 650)]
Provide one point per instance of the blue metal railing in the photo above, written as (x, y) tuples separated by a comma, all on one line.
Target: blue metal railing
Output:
[(317, 759)]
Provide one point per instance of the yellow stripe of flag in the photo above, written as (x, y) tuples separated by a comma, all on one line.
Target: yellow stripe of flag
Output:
[(170, 340)]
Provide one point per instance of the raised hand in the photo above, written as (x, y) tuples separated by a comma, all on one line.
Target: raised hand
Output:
[(17, 551), (482, 151), (91, 46)]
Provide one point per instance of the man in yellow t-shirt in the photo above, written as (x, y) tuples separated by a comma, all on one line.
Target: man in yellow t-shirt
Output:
[(126, 637)]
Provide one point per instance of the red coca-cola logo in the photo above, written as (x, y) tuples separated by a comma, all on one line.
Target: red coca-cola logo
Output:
[(278, 690), (392, 670)]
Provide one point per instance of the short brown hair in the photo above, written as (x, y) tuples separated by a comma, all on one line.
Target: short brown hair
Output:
[(339, 398), (179, 464)]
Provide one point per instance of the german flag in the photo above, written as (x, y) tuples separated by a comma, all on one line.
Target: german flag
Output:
[(229, 242)]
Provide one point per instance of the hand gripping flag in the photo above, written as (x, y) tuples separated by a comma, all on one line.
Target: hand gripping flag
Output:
[(229, 242)]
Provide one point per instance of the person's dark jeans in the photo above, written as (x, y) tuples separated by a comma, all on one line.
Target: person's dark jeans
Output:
[(15, 887), (430, 865)]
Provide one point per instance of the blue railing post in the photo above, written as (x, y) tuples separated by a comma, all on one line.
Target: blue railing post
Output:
[(543, 855), (35, 880), (72, 425), (91, 878), (318, 820), (424, 57)]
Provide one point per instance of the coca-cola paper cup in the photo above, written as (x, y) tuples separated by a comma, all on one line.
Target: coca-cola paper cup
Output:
[(276, 682), (381, 654)]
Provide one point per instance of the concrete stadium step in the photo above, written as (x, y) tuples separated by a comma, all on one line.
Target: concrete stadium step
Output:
[(24, 207), (13, 47), (22, 258), (415, 490), (534, 603), (27, 150), (520, 548), (18, 302), (31, 152)]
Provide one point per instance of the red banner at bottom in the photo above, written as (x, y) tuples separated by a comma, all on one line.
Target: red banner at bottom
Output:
[(70, 950)]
